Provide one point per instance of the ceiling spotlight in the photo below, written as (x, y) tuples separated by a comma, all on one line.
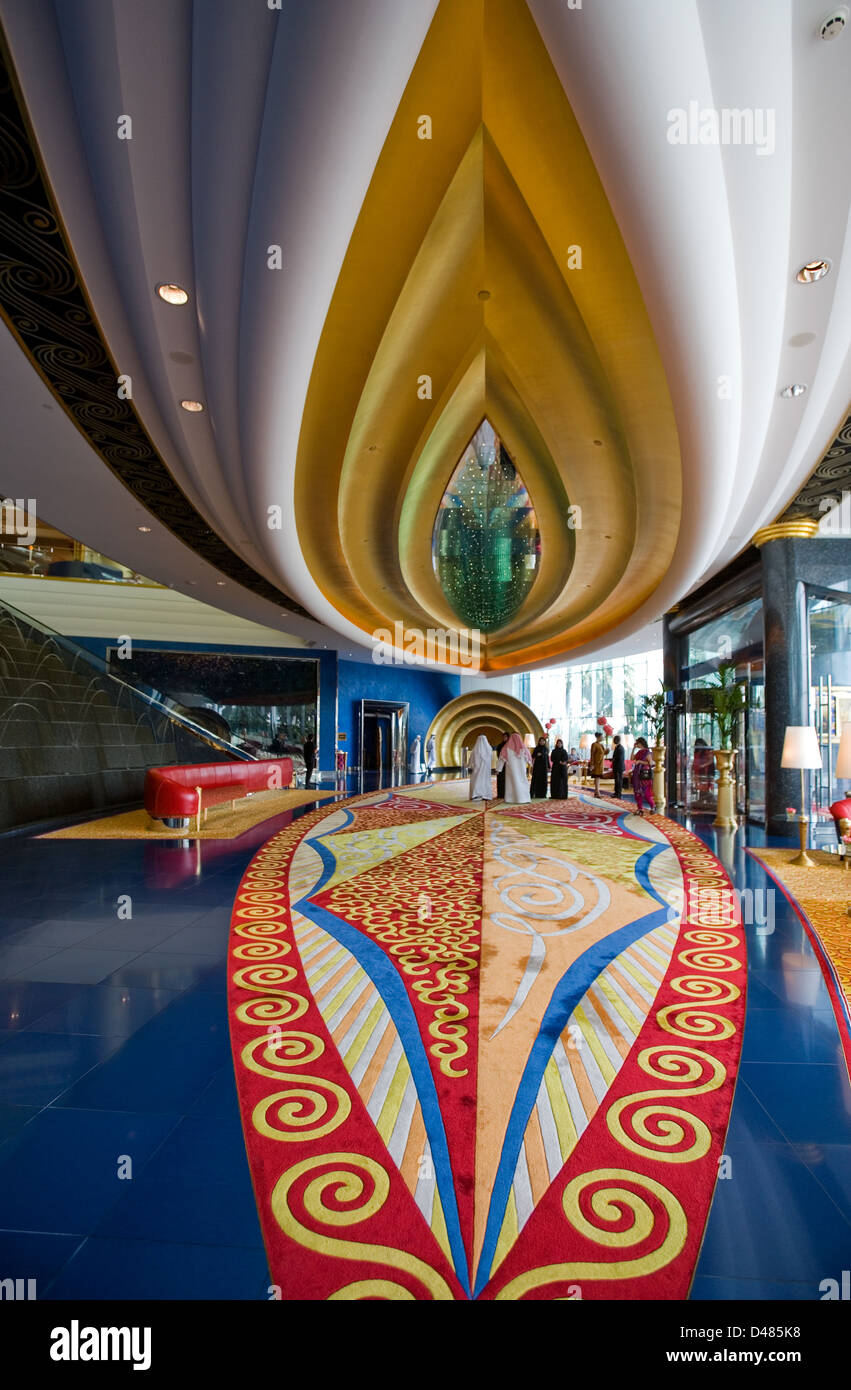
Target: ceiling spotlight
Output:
[(484, 294), (192, 406), (145, 529), (797, 389), (812, 271), (173, 294), (834, 23), (221, 583)]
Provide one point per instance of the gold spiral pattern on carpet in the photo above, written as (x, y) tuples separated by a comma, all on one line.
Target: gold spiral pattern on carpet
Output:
[(348, 1177)]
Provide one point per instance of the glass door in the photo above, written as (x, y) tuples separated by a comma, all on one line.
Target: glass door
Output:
[(829, 618)]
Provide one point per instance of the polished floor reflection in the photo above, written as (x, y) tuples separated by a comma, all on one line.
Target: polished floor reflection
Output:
[(114, 1047)]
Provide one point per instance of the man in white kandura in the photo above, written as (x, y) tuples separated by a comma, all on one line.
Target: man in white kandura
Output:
[(431, 754), (515, 756), (415, 765), (481, 785)]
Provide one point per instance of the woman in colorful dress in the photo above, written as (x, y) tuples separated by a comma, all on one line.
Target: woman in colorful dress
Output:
[(642, 776)]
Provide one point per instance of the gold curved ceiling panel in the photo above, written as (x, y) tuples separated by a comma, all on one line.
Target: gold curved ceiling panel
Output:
[(454, 725), (487, 259)]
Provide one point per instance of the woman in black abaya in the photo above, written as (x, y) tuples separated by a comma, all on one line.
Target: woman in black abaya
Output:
[(500, 776), (540, 768), (558, 777)]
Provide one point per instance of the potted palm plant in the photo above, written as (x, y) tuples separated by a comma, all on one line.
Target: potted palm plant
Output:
[(728, 700), (652, 711)]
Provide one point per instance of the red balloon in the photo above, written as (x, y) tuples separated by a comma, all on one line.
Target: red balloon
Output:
[(601, 721)]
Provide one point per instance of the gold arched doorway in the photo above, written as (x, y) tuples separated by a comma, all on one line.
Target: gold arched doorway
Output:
[(459, 723)]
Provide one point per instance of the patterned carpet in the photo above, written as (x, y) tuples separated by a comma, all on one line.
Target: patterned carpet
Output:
[(484, 1054)]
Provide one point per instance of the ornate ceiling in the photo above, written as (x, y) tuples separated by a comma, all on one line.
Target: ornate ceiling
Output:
[(397, 221)]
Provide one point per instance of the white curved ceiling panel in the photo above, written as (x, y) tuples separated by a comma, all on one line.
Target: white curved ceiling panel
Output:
[(255, 128)]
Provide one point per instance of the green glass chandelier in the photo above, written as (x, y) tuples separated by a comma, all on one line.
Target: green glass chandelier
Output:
[(486, 544)]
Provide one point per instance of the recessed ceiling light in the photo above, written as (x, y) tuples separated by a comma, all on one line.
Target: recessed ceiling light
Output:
[(812, 271), (183, 359), (173, 294), (146, 529), (797, 389), (599, 443), (802, 339), (220, 583), (484, 294), (834, 23), (192, 406)]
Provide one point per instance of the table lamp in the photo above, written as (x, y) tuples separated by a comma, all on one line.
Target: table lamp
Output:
[(801, 750), (584, 744), (843, 757)]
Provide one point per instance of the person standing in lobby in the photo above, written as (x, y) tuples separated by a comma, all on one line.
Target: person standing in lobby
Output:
[(514, 758), (431, 754), (500, 774), (309, 750), (558, 776), (597, 761), (618, 761), (642, 776), (481, 782), (540, 768)]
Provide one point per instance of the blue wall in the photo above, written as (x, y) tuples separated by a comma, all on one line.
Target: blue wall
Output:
[(425, 691)]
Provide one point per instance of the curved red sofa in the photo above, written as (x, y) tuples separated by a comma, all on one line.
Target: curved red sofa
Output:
[(841, 810), (170, 791)]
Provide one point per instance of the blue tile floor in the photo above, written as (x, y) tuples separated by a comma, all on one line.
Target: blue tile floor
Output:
[(122, 1165)]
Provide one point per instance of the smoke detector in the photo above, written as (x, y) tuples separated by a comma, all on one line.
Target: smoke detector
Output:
[(834, 23)]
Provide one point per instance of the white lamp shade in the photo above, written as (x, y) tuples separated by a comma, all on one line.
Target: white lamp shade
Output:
[(530, 740), (843, 757), (585, 742), (801, 747)]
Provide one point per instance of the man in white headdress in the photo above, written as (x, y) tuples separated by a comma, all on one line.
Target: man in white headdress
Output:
[(481, 785), (415, 764), (515, 758), (431, 754)]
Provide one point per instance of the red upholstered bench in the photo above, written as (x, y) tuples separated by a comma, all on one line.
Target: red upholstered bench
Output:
[(177, 793)]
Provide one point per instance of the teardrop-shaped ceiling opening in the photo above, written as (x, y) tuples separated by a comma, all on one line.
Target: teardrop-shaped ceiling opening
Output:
[(486, 543)]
